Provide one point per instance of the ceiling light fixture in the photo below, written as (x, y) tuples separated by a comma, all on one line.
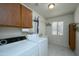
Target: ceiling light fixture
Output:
[(51, 6)]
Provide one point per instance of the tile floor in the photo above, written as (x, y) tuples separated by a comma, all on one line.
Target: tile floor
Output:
[(56, 50)]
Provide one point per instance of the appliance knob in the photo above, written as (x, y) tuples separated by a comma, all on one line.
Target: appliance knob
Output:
[(2, 42)]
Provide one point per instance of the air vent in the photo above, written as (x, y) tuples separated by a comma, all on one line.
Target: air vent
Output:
[(48, 24)]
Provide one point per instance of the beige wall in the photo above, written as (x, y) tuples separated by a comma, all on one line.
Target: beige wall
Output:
[(60, 40), (76, 19)]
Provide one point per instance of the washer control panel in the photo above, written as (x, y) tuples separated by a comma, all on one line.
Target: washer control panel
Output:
[(11, 40)]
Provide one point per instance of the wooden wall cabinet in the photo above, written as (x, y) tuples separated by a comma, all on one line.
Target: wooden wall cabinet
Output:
[(15, 15), (26, 17), (72, 36), (10, 14)]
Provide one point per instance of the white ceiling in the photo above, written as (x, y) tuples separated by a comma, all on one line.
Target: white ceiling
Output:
[(59, 9)]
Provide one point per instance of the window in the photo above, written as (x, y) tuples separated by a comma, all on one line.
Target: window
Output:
[(54, 28), (57, 28)]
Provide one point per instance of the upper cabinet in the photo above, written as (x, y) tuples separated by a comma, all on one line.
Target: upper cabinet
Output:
[(15, 15), (26, 17), (10, 14)]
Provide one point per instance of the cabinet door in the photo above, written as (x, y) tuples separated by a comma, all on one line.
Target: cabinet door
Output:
[(10, 14), (26, 17), (72, 35)]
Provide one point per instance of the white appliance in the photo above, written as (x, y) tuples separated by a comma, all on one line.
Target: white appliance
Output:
[(21, 48), (32, 46), (41, 42)]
